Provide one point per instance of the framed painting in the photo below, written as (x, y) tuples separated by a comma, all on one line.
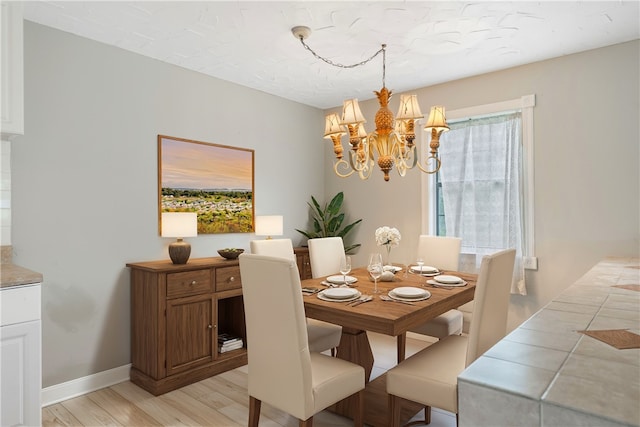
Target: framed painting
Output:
[(215, 181)]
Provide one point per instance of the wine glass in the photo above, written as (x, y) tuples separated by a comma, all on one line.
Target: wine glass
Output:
[(345, 268), (375, 269), (420, 263)]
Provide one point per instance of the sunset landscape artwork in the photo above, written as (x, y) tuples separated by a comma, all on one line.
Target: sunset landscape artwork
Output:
[(215, 181)]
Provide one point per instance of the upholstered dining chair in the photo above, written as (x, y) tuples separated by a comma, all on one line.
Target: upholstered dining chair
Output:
[(442, 252), (430, 377), (322, 336), (325, 255), (282, 370)]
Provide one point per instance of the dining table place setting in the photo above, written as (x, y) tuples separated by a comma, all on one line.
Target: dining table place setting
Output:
[(408, 294), (424, 270), (447, 281), (339, 294), (340, 281)]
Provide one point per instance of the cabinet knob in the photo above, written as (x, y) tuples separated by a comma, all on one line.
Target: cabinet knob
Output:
[(232, 279), (210, 327), (193, 283)]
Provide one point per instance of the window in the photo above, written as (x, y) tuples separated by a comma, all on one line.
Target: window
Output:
[(483, 192)]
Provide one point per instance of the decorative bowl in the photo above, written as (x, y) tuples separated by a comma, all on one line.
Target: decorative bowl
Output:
[(230, 253)]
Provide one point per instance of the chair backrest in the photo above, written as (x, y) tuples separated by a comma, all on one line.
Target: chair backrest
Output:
[(282, 248), (325, 255), (442, 252), (491, 303), (278, 352)]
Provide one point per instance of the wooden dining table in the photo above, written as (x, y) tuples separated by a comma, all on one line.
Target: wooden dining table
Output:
[(384, 317)]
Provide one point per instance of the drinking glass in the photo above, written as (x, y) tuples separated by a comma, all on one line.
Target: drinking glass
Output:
[(420, 263), (345, 268), (375, 270)]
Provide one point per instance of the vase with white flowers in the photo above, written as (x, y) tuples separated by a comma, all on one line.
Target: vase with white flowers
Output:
[(388, 237)]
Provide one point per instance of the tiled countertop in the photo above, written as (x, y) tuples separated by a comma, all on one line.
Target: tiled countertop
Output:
[(546, 373)]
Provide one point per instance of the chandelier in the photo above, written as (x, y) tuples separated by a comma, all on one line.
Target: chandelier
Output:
[(391, 143)]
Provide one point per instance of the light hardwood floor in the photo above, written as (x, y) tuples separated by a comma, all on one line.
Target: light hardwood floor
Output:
[(221, 400)]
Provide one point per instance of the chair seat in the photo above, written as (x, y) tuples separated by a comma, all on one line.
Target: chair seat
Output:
[(323, 335), (332, 380), (431, 387), (449, 323)]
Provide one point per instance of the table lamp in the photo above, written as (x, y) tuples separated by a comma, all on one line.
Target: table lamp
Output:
[(179, 225), (269, 225)]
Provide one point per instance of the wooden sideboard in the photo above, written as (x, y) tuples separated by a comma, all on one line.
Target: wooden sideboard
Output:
[(304, 264), (177, 312)]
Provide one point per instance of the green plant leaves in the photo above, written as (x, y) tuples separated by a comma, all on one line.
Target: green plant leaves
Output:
[(328, 220)]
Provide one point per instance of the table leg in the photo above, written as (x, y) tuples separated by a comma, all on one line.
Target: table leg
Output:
[(355, 347)]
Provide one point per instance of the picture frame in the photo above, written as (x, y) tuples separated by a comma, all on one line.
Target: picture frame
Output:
[(215, 181)]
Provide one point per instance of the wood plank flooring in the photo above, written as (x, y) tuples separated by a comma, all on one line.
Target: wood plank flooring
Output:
[(219, 401)]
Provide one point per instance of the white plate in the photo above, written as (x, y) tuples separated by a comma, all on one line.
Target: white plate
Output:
[(448, 280), (399, 298), (409, 292), (332, 291), (425, 269), (339, 280), (447, 285), (393, 268)]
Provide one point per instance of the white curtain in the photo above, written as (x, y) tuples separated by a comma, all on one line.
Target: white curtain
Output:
[(481, 187)]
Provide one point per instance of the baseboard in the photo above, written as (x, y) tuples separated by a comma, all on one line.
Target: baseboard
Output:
[(79, 386)]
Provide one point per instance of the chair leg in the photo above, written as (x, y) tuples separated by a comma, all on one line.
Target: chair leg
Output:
[(394, 411), (306, 423), (358, 419), (427, 415), (254, 411), (457, 421), (333, 352)]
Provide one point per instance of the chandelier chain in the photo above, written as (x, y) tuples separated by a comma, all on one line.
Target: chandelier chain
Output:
[(335, 64)]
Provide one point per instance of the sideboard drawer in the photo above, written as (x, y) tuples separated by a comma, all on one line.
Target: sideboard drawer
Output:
[(228, 278), (188, 283)]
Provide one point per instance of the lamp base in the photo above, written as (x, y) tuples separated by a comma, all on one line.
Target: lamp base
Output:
[(179, 252)]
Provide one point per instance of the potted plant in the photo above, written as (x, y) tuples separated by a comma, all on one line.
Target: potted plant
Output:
[(328, 219)]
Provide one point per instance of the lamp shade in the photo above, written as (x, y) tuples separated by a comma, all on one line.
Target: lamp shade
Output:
[(179, 224), (269, 225), (332, 126), (409, 108), (351, 113), (437, 119)]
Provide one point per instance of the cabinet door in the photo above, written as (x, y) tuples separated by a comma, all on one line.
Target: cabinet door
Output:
[(190, 334), (20, 368)]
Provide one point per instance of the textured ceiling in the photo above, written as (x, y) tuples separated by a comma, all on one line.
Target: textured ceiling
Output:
[(428, 42)]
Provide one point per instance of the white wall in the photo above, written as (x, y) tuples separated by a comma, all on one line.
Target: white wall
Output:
[(587, 184), (84, 180)]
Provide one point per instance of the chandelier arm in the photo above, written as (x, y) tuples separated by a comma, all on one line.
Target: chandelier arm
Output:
[(342, 163), (409, 159), (365, 173), (438, 163), (335, 64), (358, 165)]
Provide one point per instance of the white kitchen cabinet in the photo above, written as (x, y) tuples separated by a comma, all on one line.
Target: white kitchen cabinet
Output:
[(20, 356), (11, 73)]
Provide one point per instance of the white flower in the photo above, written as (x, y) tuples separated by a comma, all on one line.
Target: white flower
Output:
[(387, 236)]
